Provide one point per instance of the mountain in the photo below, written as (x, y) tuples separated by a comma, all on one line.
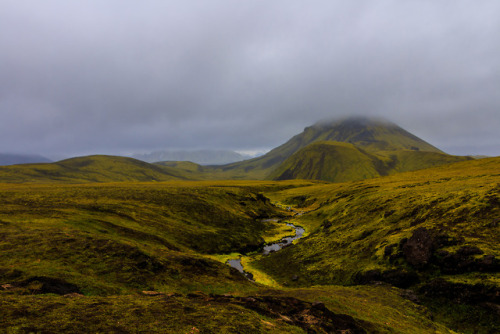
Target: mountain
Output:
[(329, 161), (342, 162), (388, 147), (202, 157), (96, 168), (413, 252), (14, 159)]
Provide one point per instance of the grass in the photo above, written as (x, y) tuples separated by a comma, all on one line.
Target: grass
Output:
[(352, 224), (123, 237), (96, 168), (111, 241), (342, 162)]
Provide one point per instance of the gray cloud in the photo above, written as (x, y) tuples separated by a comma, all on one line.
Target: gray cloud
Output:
[(121, 76)]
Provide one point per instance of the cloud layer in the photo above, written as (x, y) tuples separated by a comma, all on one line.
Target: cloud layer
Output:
[(123, 76)]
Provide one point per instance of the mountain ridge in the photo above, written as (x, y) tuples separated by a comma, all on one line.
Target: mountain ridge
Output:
[(374, 136), (383, 148)]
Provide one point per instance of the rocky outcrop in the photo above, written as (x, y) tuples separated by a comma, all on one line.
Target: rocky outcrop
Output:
[(42, 284), (461, 293), (397, 277), (419, 248), (311, 317), (422, 250)]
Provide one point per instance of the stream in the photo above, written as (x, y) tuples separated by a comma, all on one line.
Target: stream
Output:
[(267, 249)]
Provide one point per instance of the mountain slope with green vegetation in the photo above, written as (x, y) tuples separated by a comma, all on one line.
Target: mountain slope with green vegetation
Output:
[(342, 162), (96, 168), (397, 149), (329, 161), (436, 231)]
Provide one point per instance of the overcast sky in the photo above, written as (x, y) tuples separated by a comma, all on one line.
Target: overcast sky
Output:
[(123, 76)]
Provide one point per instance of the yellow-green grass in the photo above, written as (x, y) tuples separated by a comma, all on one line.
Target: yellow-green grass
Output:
[(96, 168), (381, 305), (352, 223), (381, 309), (120, 237), (342, 162)]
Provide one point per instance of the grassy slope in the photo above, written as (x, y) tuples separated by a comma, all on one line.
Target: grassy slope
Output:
[(111, 241), (352, 224), (123, 237), (97, 168), (394, 148), (329, 161), (342, 162)]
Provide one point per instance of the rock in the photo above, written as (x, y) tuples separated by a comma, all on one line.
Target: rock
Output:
[(152, 293), (463, 262), (388, 250), (461, 293), (469, 250), (319, 305), (410, 295), (419, 248), (396, 277), (311, 317), (43, 284), (73, 295)]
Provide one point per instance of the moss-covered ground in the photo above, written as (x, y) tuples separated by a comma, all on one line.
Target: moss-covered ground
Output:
[(132, 257)]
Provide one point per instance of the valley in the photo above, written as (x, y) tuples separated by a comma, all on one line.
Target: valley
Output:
[(98, 248), (384, 234)]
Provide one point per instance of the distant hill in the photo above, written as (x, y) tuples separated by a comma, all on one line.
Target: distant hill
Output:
[(14, 159), (96, 168), (389, 148), (202, 157)]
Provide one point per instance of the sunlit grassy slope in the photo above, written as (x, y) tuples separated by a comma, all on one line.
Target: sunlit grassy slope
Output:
[(97, 168)]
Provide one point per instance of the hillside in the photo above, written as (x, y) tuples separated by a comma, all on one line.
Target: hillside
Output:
[(379, 137), (329, 161), (97, 168), (150, 256), (145, 257), (436, 231), (341, 162)]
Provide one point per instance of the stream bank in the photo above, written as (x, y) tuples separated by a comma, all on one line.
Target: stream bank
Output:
[(269, 248)]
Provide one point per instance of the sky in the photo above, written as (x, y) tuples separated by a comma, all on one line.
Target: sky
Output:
[(123, 77)]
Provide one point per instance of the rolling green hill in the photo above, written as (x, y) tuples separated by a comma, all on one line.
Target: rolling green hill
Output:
[(341, 162), (369, 137), (96, 168)]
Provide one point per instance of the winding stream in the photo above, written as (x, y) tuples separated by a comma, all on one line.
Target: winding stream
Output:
[(267, 249)]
